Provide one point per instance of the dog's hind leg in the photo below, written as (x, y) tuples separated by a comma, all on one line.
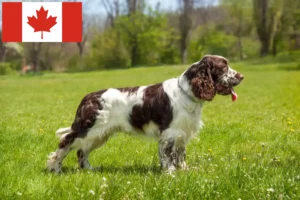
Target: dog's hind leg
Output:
[(67, 143), (73, 137), (88, 146)]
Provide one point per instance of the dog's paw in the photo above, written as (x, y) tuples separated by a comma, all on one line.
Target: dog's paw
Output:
[(184, 166), (171, 169)]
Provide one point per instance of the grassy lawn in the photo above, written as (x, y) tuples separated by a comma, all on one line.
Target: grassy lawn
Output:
[(249, 149)]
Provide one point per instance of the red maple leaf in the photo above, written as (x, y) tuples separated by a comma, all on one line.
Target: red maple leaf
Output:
[(41, 23)]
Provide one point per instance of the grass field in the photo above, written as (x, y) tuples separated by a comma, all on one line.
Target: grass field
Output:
[(249, 149)]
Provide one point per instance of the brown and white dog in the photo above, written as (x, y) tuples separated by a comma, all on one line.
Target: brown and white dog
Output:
[(169, 111)]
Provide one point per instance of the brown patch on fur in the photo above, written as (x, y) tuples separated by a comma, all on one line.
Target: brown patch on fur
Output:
[(80, 157), (130, 90), (87, 113), (156, 107), (67, 140), (203, 87), (80, 154), (218, 66), (200, 79)]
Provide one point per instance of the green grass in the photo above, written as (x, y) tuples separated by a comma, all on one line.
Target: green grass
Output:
[(249, 149)]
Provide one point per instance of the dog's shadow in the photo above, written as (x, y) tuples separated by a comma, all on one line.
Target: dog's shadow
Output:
[(128, 169)]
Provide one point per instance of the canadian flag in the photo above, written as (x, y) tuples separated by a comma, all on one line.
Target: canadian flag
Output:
[(41, 21)]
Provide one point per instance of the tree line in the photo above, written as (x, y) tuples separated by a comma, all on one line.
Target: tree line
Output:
[(132, 33)]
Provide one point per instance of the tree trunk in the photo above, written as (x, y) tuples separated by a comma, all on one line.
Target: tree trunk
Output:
[(267, 18), (47, 58), (264, 49), (2, 53), (132, 5), (240, 44), (2, 49), (117, 12), (185, 25), (24, 68), (117, 9), (276, 23), (82, 43), (35, 52), (134, 52), (80, 48), (260, 8), (274, 46), (183, 51), (132, 9)]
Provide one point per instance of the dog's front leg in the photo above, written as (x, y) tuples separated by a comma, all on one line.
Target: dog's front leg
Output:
[(172, 149), (180, 152), (167, 154)]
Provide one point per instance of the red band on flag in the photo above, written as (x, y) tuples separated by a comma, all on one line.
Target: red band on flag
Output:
[(71, 12), (11, 21)]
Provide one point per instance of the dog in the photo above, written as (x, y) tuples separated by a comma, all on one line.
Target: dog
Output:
[(169, 111)]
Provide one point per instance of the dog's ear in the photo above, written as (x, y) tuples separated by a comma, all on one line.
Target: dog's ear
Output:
[(201, 82), (203, 86)]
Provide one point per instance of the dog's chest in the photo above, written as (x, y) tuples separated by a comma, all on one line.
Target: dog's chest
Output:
[(188, 119)]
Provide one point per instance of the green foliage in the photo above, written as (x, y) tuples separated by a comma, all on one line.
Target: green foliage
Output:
[(75, 64), (145, 33), (248, 150), (240, 16), (155, 40), (210, 40), (150, 34), (250, 48), (169, 53), (107, 52), (7, 68)]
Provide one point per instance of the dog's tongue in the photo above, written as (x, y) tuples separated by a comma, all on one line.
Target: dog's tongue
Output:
[(233, 95)]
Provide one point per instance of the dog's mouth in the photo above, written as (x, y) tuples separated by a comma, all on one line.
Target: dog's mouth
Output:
[(226, 90)]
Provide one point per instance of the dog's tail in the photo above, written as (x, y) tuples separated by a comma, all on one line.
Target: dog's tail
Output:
[(60, 132)]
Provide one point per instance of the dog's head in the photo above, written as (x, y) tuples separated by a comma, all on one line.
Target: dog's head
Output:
[(212, 75)]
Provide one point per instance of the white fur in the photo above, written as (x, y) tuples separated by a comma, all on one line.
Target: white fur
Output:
[(60, 132), (230, 75)]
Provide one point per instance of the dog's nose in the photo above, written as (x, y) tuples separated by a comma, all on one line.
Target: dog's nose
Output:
[(239, 76)]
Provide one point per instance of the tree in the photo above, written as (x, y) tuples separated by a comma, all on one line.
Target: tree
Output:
[(32, 52), (288, 32), (203, 9), (185, 25), (112, 9), (133, 35), (2, 49), (240, 20), (130, 24), (267, 16), (9, 48), (146, 36), (81, 44)]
